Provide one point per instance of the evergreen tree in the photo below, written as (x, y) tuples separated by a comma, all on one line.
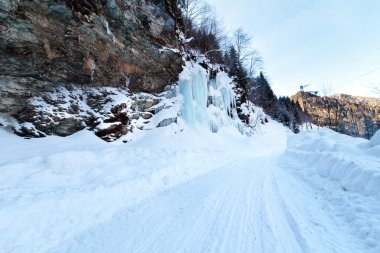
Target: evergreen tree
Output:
[(262, 95), (369, 127), (236, 69), (290, 113)]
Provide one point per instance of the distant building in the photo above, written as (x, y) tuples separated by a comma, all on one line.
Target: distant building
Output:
[(302, 89)]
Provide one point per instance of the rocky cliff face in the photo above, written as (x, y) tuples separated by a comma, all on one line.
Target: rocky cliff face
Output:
[(50, 45), (355, 116)]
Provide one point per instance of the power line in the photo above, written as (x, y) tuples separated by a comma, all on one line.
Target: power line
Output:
[(360, 59), (363, 75)]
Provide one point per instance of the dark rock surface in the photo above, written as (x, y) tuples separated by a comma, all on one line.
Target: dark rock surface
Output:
[(89, 43)]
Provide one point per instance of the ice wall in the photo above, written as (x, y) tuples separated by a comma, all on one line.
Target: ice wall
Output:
[(208, 99)]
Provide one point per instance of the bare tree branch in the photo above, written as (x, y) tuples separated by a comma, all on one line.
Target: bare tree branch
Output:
[(242, 43), (194, 11), (326, 90), (247, 55), (255, 61)]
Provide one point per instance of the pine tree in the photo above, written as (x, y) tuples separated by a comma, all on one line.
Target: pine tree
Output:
[(237, 71), (369, 127), (262, 95)]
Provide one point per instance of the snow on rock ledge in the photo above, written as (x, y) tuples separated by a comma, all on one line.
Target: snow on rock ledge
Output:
[(110, 112)]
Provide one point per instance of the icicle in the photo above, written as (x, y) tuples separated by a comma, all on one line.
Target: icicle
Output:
[(188, 111), (208, 99)]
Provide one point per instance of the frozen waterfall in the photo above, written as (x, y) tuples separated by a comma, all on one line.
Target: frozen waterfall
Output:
[(208, 100)]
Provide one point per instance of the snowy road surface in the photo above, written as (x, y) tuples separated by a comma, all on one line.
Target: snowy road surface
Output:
[(245, 206), (181, 194)]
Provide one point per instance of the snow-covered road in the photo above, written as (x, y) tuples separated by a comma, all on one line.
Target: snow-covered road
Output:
[(245, 197), (246, 206)]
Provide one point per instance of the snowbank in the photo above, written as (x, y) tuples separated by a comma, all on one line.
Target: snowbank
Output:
[(375, 140), (353, 162)]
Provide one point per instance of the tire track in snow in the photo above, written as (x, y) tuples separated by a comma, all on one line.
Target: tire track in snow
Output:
[(247, 206), (209, 211), (346, 210), (228, 222), (291, 221)]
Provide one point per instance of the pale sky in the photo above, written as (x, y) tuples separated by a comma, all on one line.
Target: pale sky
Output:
[(330, 42)]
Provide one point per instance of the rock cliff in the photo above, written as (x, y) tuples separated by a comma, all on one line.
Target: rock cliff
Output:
[(352, 115), (47, 46)]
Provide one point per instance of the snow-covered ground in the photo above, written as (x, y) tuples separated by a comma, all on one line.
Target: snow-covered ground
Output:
[(191, 191)]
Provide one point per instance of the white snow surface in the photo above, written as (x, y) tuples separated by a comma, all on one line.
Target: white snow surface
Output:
[(375, 140), (190, 191)]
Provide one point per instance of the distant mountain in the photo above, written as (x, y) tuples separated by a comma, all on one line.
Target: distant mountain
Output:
[(352, 115), (371, 102)]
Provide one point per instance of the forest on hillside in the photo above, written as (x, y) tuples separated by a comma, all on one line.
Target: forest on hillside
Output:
[(235, 52)]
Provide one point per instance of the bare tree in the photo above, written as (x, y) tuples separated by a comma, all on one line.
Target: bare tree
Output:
[(242, 43), (254, 61), (193, 11), (328, 103), (246, 54), (326, 90), (212, 24)]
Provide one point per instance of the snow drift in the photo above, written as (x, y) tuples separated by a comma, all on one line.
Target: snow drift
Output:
[(353, 162)]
